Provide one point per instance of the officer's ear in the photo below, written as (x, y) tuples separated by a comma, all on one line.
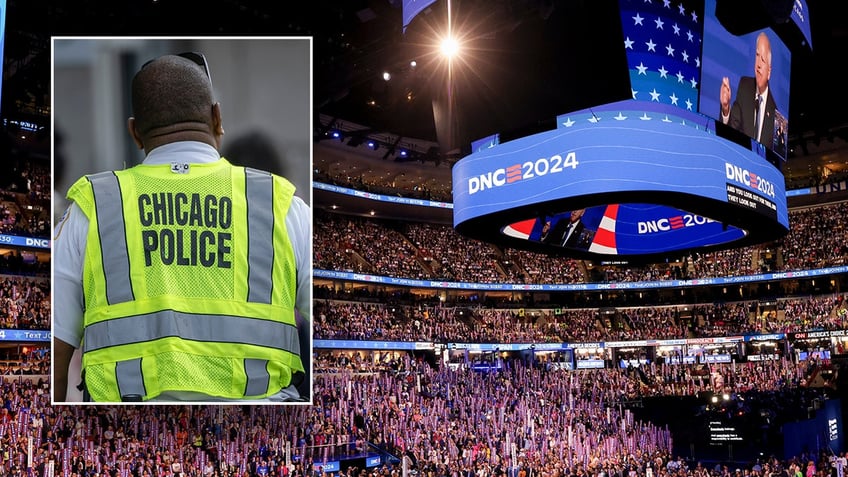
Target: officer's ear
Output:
[(134, 132), (217, 123)]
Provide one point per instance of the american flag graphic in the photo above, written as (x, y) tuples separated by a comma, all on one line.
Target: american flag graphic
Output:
[(662, 40)]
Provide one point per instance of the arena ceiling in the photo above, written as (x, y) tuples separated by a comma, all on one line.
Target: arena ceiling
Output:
[(356, 41), (366, 39)]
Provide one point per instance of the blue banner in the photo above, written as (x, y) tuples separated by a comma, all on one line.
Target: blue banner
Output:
[(376, 345), (770, 337), (17, 241), (801, 16), (381, 197), (820, 189), (694, 343), (507, 346), (418, 346), (359, 277), (797, 192), (25, 335), (411, 8)]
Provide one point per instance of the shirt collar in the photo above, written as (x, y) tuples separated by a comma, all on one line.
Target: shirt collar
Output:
[(191, 151)]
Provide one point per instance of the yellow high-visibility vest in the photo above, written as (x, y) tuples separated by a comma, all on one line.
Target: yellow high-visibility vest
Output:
[(189, 280)]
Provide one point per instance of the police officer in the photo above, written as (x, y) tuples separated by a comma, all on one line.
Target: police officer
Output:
[(181, 278)]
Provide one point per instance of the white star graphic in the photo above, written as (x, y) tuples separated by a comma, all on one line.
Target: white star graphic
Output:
[(673, 98), (680, 77), (685, 56), (665, 119), (643, 70), (628, 43), (694, 83), (694, 16), (633, 92), (654, 95), (620, 117), (670, 50), (667, 3), (659, 23), (568, 123), (689, 105), (676, 29), (681, 9), (698, 62), (637, 20), (594, 119), (645, 117), (690, 36), (651, 45), (663, 72)]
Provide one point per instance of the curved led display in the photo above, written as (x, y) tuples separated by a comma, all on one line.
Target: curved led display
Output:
[(625, 229), (652, 181), (570, 287)]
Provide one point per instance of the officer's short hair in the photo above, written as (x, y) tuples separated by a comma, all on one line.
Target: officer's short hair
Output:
[(170, 90)]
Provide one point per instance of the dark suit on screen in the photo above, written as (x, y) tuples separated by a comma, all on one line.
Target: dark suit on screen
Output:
[(742, 113), (571, 234), (577, 236)]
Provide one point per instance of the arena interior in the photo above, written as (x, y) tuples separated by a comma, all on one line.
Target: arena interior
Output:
[(440, 355)]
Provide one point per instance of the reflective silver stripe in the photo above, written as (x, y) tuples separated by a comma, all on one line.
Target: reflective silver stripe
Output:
[(113, 240), (258, 377), (259, 186), (194, 327), (130, 378)]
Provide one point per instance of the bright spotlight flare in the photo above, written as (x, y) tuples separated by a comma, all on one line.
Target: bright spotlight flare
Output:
[(449, 47)]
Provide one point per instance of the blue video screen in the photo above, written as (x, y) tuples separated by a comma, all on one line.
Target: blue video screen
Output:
[(742, 62)]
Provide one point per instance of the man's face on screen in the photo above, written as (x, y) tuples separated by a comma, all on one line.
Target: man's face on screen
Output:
[(762, 66)]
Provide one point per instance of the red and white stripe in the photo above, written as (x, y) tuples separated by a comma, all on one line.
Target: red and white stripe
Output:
[(520, 229), (604, 241)]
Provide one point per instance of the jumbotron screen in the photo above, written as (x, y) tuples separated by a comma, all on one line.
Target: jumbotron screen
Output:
[(659, 174), (748, 66), (631, 180), (681, 54)]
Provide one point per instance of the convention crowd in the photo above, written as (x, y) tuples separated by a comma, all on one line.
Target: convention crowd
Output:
[(525, 419)]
